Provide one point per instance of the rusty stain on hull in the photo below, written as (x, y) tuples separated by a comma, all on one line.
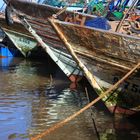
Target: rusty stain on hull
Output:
[(104, 59), (104, 54), (113, 47)]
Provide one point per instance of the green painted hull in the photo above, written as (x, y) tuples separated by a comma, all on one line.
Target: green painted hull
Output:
[(24, 43)]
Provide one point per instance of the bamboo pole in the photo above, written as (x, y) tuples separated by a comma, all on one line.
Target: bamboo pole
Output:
[(59, 12), (87, 73), (2, 7), (6, 1), (63, 122)]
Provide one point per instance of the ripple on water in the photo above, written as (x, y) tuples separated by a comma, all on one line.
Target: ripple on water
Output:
[(30, 103)]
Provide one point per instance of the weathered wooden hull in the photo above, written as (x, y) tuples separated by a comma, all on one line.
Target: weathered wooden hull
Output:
[(7, 48), (108, 56), (24, 43)]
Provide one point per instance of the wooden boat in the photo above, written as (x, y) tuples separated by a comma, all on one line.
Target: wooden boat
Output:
[(38, 25), (106, 54), (29, 47), (21, 39)]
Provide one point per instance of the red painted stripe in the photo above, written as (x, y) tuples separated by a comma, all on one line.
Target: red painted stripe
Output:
[(2, 56), (121, 110)]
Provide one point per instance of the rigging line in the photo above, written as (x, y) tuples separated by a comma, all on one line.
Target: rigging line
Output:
[(92, 117)]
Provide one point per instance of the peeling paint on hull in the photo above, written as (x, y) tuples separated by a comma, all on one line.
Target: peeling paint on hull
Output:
[(108, 56), (46, 35)]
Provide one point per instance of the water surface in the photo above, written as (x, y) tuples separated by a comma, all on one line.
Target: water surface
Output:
[(35, 95)]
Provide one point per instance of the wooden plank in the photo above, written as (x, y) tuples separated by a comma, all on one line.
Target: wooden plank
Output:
[(87, 73)]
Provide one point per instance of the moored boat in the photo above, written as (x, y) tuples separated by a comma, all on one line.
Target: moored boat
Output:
[(38, 25), (7, 48), (106, 54)]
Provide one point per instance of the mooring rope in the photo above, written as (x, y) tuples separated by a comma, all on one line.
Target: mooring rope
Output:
[(92, 116), (63, 122)]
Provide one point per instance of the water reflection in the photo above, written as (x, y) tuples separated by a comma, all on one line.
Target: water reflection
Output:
[(31, 102)]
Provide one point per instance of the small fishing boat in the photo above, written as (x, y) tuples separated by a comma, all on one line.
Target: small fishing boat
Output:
[(39, 27), (108, 56), (105, 55)]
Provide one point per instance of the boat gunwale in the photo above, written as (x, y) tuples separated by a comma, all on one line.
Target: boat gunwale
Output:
[(49, 6), (93, 28)]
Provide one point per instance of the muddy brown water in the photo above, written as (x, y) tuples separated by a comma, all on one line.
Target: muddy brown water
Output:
[(35, 95)]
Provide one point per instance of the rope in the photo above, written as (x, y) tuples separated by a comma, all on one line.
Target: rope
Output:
[(92, 116), (63, 122)]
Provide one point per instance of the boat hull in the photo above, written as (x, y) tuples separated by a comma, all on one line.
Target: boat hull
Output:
[(107, 56), (20, 38), (126, 98), (29, 46), (38, 25)]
